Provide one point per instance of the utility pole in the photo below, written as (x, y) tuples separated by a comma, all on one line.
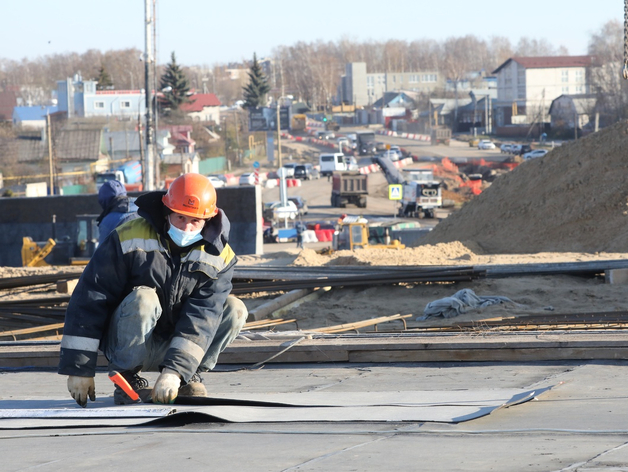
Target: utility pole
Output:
[(278, 134), (149, 162), (49, 133)]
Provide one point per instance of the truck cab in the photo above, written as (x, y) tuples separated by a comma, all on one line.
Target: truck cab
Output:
[(422, 195)]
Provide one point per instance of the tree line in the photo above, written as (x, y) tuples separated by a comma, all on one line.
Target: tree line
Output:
[(311, 71)]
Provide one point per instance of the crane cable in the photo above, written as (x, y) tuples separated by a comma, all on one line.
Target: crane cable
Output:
[(625, 70)]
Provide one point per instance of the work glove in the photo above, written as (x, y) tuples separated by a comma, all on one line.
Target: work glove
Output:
[(167, 386), (80, 388)]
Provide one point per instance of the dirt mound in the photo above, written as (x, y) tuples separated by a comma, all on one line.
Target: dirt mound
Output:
[(573, 199)]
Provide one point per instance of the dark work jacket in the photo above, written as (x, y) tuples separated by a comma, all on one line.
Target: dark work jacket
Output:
[(192, 284)]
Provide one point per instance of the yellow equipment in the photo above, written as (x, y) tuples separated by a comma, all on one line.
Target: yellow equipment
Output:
[(33, 255), (74, 251), (357, 235)]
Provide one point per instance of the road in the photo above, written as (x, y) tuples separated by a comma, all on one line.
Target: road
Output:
[(318, 192), (457, 149)]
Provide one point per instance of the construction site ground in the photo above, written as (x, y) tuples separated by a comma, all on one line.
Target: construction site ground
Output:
[(561, 338)]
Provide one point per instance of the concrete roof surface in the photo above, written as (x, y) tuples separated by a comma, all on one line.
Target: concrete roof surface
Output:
[(579, 423)]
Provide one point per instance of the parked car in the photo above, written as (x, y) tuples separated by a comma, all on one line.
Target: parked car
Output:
[(247, 179), (277, 211), (306, 172), (525, 148), (380, 146), (397, 150), (353, 139), (534, 154), (392, 155), (327, 135), (486, 144), (506, 148), (301, 204), (219, 176), (216, 182), (289, 169)]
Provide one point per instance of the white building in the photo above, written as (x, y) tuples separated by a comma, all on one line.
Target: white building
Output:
[(363, 89), (526, 86), (80, 98)]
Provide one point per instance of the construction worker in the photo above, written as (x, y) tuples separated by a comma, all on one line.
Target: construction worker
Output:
[(117, 208), (300, 228), (155, 297)]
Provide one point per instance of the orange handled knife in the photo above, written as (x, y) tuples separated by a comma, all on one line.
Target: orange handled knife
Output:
[(121, 382)]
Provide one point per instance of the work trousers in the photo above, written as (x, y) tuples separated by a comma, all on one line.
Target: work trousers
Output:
[(130, 345)]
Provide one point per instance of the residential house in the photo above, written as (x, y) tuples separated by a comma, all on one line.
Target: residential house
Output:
[(79, 152), (181, 139), (203, 107), (475, 114), (32, 117), (363, 89), (395, 100), (441, 112), (569, 111), (526, 86), (122, 145), (177, 164)]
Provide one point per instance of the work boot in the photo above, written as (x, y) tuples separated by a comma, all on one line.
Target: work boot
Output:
[(194, 387), (137, 383)]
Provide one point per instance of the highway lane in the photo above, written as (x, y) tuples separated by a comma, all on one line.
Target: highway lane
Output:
[(456, 150)]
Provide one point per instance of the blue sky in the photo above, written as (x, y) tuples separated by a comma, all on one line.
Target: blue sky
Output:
[(210, 31)]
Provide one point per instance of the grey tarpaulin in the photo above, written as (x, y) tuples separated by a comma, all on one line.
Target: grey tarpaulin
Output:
[(460, 302)]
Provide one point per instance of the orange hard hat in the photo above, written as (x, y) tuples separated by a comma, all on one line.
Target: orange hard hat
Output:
[(191, 195)]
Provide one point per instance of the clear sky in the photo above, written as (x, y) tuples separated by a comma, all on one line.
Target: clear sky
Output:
[(211, 31)]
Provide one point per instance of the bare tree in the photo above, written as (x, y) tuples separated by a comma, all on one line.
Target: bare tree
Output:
[(606, 80)]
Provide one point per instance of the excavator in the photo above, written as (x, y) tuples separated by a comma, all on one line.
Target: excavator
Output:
[(65, 251)]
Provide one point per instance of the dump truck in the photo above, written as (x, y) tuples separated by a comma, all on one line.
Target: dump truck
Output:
[(349, 187), (365, 141), (440, 135)]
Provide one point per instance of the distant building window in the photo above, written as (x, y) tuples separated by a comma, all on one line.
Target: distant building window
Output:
[(579, 76), (125, 104), (565, 76), (99, 105), (565, 89), (579, 89)]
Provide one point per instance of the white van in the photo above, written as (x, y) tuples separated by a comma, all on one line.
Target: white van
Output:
[(331, 162)]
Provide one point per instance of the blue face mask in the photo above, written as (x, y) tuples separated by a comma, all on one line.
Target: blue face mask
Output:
[(184, 238)]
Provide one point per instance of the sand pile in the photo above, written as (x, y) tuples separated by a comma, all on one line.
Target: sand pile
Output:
[(573, 199)]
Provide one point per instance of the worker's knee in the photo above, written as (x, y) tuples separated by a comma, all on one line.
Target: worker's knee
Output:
[(235, 311), (142, 302)]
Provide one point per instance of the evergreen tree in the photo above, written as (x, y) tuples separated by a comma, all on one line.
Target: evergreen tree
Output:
[(176, 84), (257, 88), (103, 79)]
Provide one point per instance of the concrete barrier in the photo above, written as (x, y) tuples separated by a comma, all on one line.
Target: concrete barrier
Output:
[(33, 217)]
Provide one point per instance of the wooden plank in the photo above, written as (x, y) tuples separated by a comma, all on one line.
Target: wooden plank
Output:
[(359, 324), (458, 348)]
